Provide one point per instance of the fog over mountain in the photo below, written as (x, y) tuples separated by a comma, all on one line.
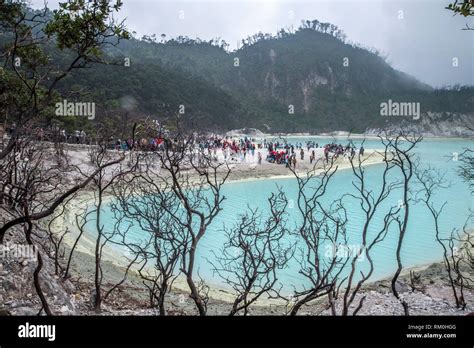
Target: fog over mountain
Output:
[(418, 37)]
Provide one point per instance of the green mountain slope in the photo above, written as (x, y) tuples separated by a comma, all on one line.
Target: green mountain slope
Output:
[(310, 80), (327, 83)]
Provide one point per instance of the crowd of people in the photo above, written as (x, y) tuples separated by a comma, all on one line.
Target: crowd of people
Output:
[(230, 148), (339, 150), (284, 153)]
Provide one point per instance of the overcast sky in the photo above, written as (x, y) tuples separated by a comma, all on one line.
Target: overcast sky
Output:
[(419, 37)]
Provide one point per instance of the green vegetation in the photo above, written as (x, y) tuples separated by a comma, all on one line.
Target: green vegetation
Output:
[(464, 7), (328, 82), (309, 80)]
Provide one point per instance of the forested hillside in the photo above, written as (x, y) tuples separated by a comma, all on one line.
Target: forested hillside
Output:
[(308, 80)]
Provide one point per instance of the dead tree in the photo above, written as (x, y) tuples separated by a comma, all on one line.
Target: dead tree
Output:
[(54, 246), (149, 204), (101, 185), (31, 87), (199, 190), (28, 228), (338, 274), (461, 247), (196, 180), (401, 146), (370, 201), (466, 169), (321, 227), (457, 246), (32, 180), (33, 188), (253, 253)]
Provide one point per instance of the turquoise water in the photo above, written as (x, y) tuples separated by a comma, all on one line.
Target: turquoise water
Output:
[(420, 246)]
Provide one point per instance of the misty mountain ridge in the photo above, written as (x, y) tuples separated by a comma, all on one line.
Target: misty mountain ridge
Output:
[(309, 80)]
